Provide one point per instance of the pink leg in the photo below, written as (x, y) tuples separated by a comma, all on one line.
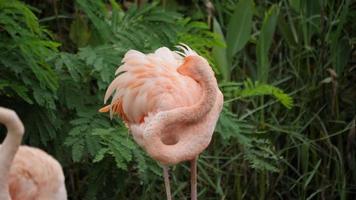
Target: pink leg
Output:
[(193, 180), (166, 182)]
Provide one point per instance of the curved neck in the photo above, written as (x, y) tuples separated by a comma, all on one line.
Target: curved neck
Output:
[(9, 147), (197, 111), (189, 115)]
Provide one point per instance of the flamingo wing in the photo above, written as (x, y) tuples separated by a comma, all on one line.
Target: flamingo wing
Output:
[(35, 175), (22, 186), (150, 83)]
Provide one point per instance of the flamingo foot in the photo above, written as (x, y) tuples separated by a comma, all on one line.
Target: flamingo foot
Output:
[(193, 180), (166, 182)]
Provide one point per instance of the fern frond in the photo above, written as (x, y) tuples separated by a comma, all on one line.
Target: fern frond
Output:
[(254, 89), (258, 152), (25, 48), (260, 89)]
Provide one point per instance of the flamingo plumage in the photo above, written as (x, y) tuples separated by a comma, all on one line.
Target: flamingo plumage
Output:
[(27, 173), (170, 102)]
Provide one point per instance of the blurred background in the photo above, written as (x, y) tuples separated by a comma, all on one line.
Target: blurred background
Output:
[(287, 70)]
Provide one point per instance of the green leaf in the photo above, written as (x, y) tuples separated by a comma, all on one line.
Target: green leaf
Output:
[(340, 45), (77, 150), (286, 30), (340, 52), (239, 28), (264, 43), (312, 174), (220, 54), (20, 90), (100, 155)]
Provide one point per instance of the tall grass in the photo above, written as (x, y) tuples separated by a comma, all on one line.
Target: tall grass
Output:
[(295, 50)]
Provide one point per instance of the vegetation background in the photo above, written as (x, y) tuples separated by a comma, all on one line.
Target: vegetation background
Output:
[(287, 70)]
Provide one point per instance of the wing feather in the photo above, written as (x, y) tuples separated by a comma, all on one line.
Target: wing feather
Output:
[(149, 83)]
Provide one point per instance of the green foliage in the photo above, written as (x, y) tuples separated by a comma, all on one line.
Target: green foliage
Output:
[(156, 26), (255, 89), (28, 81), (25, 48), (117, 145), (257, 148), (263, 52), (84, 145), (237, 35), (199, 37)]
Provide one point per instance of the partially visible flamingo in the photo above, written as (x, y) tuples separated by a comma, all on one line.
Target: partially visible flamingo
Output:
[(27, 173), (170, 102)]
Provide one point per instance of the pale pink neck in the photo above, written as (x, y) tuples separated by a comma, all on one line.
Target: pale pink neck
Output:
[(186, 115), (197, 111), (10, 145)]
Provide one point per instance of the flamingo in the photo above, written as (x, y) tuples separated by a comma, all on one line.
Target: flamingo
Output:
[(26, 173), (170, 101)]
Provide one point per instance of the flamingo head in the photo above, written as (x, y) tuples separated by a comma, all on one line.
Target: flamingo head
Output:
[(12, 121), (195, 66)]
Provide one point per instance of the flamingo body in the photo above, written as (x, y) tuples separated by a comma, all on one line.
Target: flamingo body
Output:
[(169, 100), (27, 173), (35, 175)]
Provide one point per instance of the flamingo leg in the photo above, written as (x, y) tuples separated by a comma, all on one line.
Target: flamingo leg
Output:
[(166, 182), (193, 179)]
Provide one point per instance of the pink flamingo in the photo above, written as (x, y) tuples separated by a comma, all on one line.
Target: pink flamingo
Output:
[(170, 102), (26, 173)]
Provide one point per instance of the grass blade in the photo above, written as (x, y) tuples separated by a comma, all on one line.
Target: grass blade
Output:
[(264, 43), (239, 28)]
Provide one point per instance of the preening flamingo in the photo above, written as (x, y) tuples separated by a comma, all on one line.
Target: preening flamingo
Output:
[(27, 173), (170, 102)]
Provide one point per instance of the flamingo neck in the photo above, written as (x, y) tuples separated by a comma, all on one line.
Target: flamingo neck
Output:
[(186, 115), (9, 147), (197, 111)]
